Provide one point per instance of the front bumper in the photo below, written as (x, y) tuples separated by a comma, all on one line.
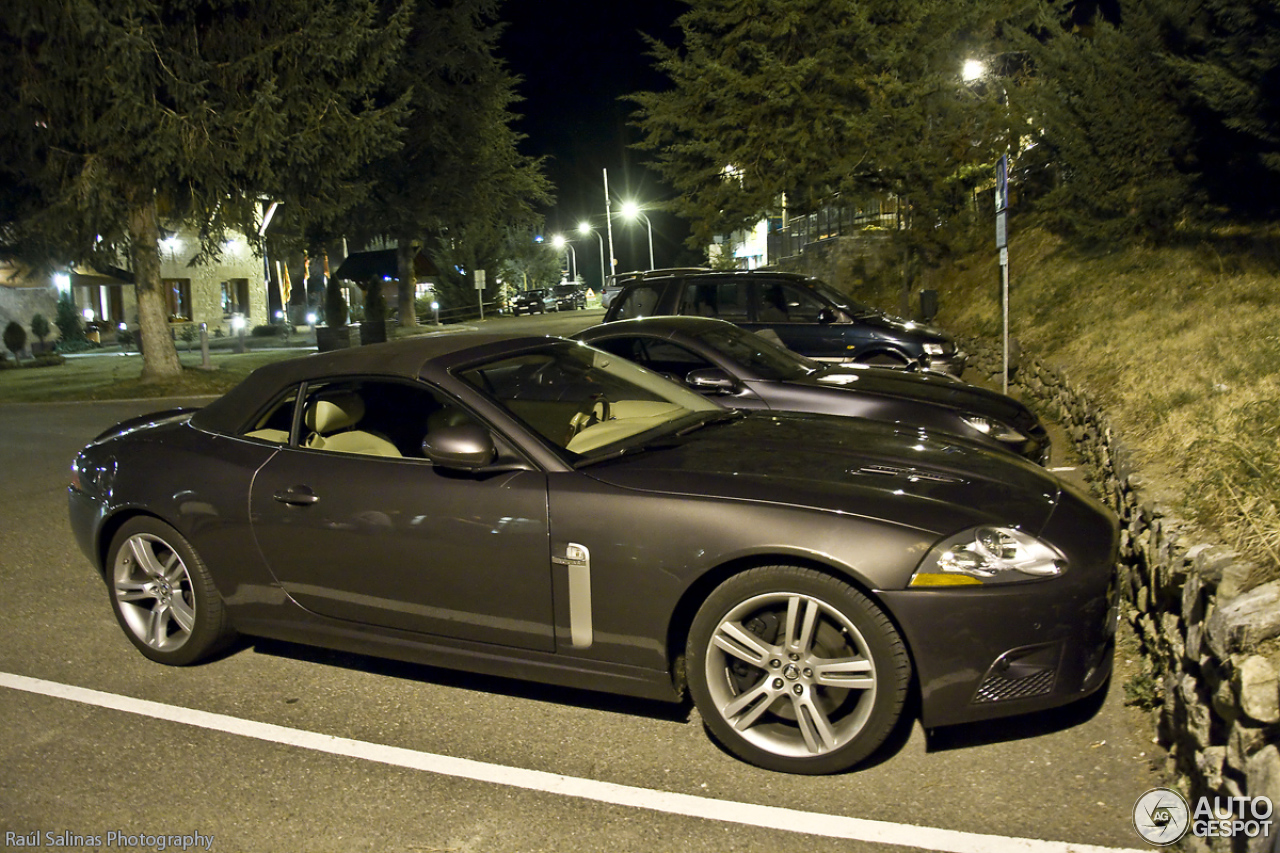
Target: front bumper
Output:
[(953, 364), (983, 654)]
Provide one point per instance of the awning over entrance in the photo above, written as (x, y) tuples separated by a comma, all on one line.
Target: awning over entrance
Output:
[(96, 277), (381, 264)]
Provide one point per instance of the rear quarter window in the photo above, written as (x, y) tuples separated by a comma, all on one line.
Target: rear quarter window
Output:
[(726, 300), (639, 301)]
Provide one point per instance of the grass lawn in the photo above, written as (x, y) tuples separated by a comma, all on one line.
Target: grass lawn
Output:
[(112, 376)]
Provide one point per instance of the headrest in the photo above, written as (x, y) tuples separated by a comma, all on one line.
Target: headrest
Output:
[(335, 412)]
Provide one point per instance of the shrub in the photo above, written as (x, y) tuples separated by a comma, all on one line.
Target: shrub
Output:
[(81, 345), (15, 338), (335, 304), (39, 327), (375, 304), (269, 330), (48, 359), (68, 321)]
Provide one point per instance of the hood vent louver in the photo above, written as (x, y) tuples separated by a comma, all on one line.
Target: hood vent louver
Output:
[(912, 474)]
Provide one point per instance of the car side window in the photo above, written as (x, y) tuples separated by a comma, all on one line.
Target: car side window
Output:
[(275, 424), (373, 417), (639, 301), (727, 300), (786, 303)]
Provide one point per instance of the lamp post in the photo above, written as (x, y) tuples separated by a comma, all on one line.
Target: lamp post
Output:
[(584, 228), (561, 243), (972, 72), (631, 210)]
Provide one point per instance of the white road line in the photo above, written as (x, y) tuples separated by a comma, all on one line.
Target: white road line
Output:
[(747, 814)]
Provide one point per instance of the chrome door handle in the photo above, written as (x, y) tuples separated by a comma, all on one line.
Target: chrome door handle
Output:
[(296, 496)]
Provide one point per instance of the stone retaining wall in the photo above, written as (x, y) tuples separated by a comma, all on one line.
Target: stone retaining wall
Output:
[(1216, 695)]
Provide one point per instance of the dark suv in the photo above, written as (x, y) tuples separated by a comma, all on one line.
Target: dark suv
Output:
[(536, 301), (570, 297), (809, 316)]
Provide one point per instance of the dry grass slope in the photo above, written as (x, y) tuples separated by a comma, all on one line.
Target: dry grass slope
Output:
[(1182, 348)]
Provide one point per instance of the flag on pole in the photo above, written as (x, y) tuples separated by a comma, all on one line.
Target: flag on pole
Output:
[(286, 286)]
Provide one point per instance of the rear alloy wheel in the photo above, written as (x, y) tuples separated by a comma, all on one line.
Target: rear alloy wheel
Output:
[(796, 671), (163, 596)]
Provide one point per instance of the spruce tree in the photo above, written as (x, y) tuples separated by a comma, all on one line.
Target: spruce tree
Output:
[(802, 101), (194, 111), (1106, 104), (459, 180)]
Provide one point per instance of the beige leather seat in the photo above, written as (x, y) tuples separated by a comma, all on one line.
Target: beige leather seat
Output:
[(330, 420)]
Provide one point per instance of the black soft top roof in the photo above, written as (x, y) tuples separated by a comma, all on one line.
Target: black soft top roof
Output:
[(406, 359)]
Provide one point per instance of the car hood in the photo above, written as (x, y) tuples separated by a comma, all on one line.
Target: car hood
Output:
[(897, 325), (933, 482), (938, 390)]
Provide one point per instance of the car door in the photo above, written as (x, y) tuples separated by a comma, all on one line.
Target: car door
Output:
[(382, 537), (794, 313)]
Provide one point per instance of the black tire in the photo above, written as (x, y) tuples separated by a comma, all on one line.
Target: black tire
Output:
[(773, 697), (163, 596)]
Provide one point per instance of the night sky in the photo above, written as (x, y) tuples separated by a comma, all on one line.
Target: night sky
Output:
[(577, 58)]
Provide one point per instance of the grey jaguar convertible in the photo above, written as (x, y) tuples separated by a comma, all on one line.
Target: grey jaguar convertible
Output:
[(537, 508)]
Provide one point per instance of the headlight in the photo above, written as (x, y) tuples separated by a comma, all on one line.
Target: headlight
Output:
[(934, 349), (993, 428), (989, 555)]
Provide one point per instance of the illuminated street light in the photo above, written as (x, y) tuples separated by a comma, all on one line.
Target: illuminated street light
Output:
[(631, 211), (973, 69), (584, 228), (560, 243)]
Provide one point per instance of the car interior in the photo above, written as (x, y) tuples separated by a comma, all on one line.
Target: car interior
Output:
[(372, 418)]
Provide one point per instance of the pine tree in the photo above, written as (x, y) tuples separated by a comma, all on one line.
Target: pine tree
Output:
[(1107, 105), (1227, 53), (191, 110), (809, 99), (459, 181)]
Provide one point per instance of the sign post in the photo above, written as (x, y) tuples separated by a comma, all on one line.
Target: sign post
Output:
[(1002, 244), (480, 291)]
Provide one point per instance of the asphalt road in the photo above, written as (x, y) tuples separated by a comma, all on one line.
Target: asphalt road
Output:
[(277, 747)]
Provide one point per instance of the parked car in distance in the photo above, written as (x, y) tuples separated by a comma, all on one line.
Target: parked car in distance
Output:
[(536, 301), (570, 297), (809, 316), (534, 507), (607, 293), (747, 370)]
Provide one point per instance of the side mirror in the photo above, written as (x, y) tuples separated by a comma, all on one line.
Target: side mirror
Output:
[(711, 380), (828, 315), (466, 447)]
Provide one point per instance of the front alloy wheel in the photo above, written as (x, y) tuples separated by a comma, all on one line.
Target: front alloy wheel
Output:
[(796, 671), (162, 594)]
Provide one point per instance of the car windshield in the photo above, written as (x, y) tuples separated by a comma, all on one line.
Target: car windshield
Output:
[(588, 402), (758, 354)]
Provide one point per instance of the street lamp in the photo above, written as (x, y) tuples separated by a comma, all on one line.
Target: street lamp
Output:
[(584, 228), (631, 210), (561, 243)]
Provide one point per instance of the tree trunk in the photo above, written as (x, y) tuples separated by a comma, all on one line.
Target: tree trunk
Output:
[(407, 289), (159, 354)]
